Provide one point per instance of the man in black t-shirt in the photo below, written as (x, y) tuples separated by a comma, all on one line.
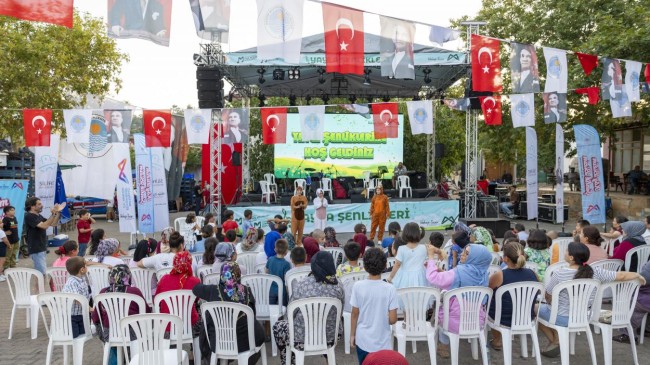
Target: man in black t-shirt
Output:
[(36, 228), (198, 197), (10, 227)]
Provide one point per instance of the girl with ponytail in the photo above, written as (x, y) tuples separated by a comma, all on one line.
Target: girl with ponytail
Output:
[(577, 256), (67, 250), (515, 260)]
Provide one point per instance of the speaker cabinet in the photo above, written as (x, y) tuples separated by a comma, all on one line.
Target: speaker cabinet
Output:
[(357, 198)]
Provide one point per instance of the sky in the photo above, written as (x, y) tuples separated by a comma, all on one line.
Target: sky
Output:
[(158, 77)]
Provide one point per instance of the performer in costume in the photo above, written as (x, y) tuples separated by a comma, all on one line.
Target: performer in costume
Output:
[(298, 205), (379, 212), (320, 207)]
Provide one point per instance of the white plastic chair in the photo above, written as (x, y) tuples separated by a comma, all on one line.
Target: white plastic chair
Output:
[(643, 255), (551, 269), (198, 258), (337, 253), (89, 257), (270, 181), (150, 346), (203, 271), (97, 278), (260, 269), (623, 295), (180, 303), (366, 178), (224, 315), (532, 266), (416, 303), (315, 315), (523, 297), (563, 244), (200, 220), (608, 264), (162, 272), (136, 236), (349, 280), (372, 185), (326, 185), (20, 288), (127, 259), (58, 275), (390, 262), (116, 306), (292, 278), (471, 301), (178, 222), (301, 182), (404, 184), (266, 192), (643, 324), (211, 279), (496, 258), (493, 269), (260, 285), (143, 280), (247, 260), (60, 330), (579, 292)]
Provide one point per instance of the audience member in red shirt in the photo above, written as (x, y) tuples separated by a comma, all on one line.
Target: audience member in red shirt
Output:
[(83, 230), (313, 242), (180, 278), (482, 185), (230, 221)]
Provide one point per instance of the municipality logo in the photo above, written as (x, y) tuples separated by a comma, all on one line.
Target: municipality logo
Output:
[(78, 123), (312, 121), (279, 23), (18, 185), (522, 108), (197, 123), (420, 115), (554, 67), (122, 175), (453, 56)]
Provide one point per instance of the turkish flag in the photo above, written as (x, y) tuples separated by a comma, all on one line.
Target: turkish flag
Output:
[(57, 12), (157, 128), (491, 106), (384, 116), (343, 39), (37, 127), (486, 64), (588, 62), (274, 125)]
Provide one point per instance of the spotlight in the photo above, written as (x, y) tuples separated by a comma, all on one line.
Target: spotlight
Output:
[(321, 78), (292, 100), (261, 71), (427, 78), (326, 98), (278, 74), (366, 78), (307, 99), (294, 73), (262, 98)]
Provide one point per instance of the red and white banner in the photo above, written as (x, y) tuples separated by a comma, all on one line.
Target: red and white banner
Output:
[(384, 116), (37, 125), (491, 106), (57, 12), (157, 128), (344, 36), (486, 64), (274, 125)]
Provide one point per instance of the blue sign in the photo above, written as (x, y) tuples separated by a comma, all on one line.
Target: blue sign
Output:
[(590, 165)]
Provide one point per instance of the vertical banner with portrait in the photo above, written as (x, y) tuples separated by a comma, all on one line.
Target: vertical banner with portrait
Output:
[(396, 48), (235, 125), (612, 79), (174, 157), (555, 108), (144, 19), (523, 68), (118, 125)]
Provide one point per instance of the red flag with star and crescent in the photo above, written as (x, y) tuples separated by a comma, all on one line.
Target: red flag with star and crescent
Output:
[(157, 128), (343, 39), (384, 116), (486, 64), (37, 125), (274, 125), (491, 106)]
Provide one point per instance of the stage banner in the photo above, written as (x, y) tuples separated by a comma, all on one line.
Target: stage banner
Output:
[(559, 173), (175, 157), (144, 184), (348, 148), (159, 188), (14, 193), (46, 162), (432, 215), (531, 172), (125, 197), (590, 164)]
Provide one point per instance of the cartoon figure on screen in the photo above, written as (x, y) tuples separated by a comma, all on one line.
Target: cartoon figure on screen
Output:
[(298, 205), (379, 212), (320, 210)]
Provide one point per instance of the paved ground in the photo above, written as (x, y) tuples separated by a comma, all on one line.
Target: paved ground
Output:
[(22, 350)]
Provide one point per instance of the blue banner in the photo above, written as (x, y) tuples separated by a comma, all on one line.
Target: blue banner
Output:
[(144, 184), (14, 193), (590, 166), (60, 197)]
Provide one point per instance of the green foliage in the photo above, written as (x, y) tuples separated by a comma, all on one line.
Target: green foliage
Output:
[(53, 67)]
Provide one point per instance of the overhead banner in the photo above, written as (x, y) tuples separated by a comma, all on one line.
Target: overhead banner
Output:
[(125, 196), (431, 215), (46, 162), (531, 172), (149, 20), (144, 184), (175, 156), (14, 193), (590, 166), (559, 173)]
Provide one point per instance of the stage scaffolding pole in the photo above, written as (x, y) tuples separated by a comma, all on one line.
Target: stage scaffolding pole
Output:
[(431, 152), (215, 166), (471, 135), (246, 175)]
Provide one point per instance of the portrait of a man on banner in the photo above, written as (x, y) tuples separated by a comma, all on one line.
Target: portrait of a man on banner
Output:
[(146, 19)]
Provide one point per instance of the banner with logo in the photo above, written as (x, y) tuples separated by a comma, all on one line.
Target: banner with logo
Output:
[(46, 162), (125, 197), (14, 193), (159, 188), (559, 173), (175, 157), (531, 172), (144, 185), (432, 215), (590, 166)]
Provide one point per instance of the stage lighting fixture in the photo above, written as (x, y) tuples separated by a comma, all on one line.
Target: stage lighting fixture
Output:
[(427, 78), (307, 99), (292, 100), (294, 73), (326, 98), (321, 78), (262, 98), (261, 71), (366, 78), (278, 74)]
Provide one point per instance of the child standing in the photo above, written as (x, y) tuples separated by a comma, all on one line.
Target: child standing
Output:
[(230, 221), (76, 284), (372, 299), (10, 228), (360, 236), (352, 251), (83, 228), (4, 247), (411, 256), (393, 231), (248, 223), (278, 266)]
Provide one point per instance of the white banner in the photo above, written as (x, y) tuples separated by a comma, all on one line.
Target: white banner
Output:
[(144, 182), (522, 110), (125, 197), (46, 161), (312, 122), (632, 84), (559, 173), (420, 116), (531, 172), (556, 70), (77, 125), (160, 203), (279, 29), (197, 125)]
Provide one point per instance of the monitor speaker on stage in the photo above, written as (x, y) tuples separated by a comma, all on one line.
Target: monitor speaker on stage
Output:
[(419, 180)]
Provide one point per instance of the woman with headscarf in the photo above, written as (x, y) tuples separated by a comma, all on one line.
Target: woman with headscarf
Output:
[(108, 252), (249, 243), (320, 210), (330, 237), (482, 235), (472, 271), (632, 237), (320, 283), (225, 252), (230, 289), (163, 244)]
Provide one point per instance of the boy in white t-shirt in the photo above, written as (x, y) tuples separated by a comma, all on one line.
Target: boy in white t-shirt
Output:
[(374, 308)]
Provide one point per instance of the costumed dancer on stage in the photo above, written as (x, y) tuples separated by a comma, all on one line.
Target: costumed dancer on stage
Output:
[(320, 207), (379, 212), (298, 205)]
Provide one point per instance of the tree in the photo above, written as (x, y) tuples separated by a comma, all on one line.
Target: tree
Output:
[(52, 67)]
